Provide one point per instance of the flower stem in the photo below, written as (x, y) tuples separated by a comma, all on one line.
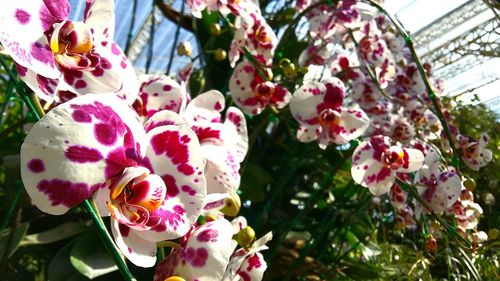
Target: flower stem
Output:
[(108, 241)]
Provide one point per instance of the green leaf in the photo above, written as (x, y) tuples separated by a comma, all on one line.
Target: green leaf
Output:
[(253, 182), (15, 238), (60, 268), (90, 258), (60, 232)]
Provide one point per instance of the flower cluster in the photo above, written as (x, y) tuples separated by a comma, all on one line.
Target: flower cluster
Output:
[(164, 165)]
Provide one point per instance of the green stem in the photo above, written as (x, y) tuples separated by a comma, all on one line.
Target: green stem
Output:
[(430, 91), (12, 207), (108, 241)]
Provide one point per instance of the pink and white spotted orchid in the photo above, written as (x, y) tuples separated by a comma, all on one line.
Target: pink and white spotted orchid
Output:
[(159, 92), (255, 34), (54, 53), (474, 153), (223, 144), (248, 264), (252, 93), (439, 189), (317, 106), (375, 163), (223, 6), (203, 253), (151, 183), (325, 19)]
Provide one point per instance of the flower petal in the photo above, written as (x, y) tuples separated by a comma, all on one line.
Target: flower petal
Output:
[(221, 168), (174, 154), (242, 86), (306, 133), (353, 122), (412, 161), (22, 27), (237, 134), (369, 172), (163, 118), (137, 250), (253, 267), (160, 92), (100, 17), (448, 191), (75, 148), (45, 88), (205, 108), (205, 255), (305, 102), (113, 74)]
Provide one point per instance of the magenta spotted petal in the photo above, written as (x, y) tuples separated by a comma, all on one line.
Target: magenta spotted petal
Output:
[(252, 94), (221, 169), (248, 264), (75, 148), (174, 154), (22, 24), (440, 189), (203, 254), (375, 163), (317, 106), (139, 251), (100, 15), (159, 92), (204, 108)]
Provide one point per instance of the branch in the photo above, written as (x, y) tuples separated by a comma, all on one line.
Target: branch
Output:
[(184, 21)]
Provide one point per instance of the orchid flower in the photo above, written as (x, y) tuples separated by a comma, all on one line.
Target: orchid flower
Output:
[(474, 153), (223, 6), (317, 106), (150, 182), (255, 34), (375, 163), (223, 144), (252, 93), (159, 92), (55, 53), (248, 264), (405, 218), (324, 19), (439, 189), (466, 210), (203, 253), (316, 54)]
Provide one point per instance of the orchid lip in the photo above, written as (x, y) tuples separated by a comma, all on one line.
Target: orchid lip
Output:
[(393, 157), (136, 193), (70, 43), (329, 117)]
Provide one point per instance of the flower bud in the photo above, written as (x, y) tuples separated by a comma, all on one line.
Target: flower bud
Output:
[(184, 49), (470, 184), (493, 233), (284, 62), (431, 244), (220, 55), (232, 205), (175, 278), (489, 199), (289, 71), (215, 29), (245, 237)]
